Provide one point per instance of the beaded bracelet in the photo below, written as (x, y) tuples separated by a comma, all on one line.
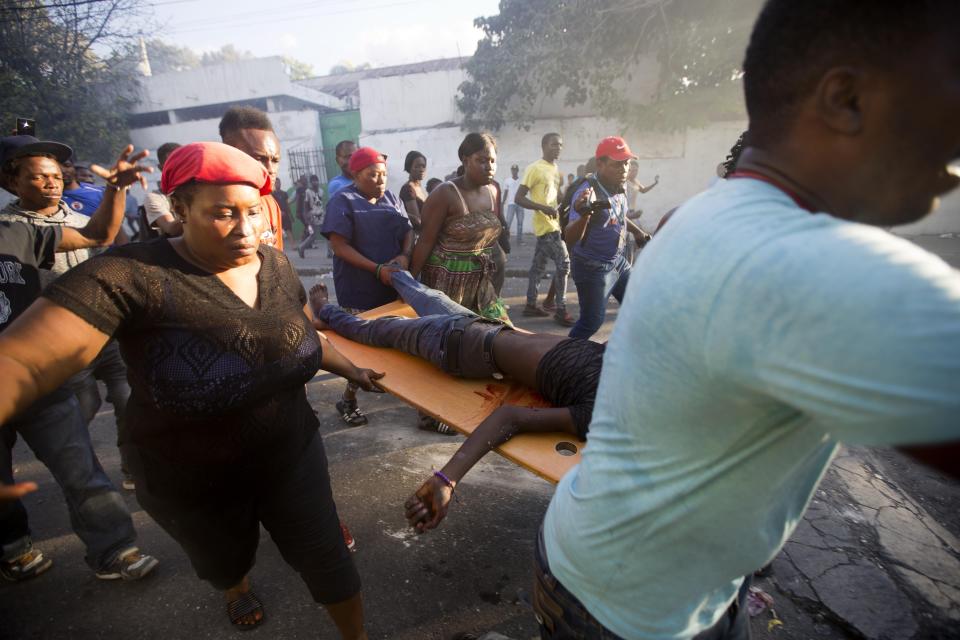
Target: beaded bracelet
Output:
[(447, 481)]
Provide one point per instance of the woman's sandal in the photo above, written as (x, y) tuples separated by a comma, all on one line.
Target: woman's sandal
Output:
[(246, 604), (350, 413)]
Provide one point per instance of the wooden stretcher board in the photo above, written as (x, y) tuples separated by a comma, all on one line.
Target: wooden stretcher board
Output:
[(461, 403)]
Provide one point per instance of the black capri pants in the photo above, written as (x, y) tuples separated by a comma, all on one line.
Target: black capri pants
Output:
[(220, 531)]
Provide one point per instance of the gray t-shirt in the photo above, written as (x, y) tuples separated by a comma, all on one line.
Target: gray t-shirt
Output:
[(63, 217)]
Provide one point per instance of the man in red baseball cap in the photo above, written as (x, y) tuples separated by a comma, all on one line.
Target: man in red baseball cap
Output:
[(597, 232)]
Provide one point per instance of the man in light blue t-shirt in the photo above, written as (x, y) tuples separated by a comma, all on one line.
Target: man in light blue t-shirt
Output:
[(344, 150), (767, 323)]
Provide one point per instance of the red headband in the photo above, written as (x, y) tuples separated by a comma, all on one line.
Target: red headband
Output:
[(212, 163)]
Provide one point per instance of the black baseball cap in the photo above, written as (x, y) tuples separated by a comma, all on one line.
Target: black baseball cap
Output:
[(12, 147)]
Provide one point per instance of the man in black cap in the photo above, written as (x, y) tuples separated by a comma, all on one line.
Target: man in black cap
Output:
[(47, 207), (53, 427)]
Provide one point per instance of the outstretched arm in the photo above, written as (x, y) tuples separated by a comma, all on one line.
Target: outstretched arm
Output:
[(643, 189), (107, 219), (428, 506), (41, 349)]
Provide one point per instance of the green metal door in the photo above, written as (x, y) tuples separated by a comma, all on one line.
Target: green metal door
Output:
[(334, 127)]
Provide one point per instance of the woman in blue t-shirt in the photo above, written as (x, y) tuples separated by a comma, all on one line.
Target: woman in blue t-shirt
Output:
[(367, 227)]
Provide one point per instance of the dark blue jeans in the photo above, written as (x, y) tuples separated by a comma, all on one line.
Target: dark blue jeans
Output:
[(423, 337), (109, 367), (563, 617), (58, 436), (596, 281)]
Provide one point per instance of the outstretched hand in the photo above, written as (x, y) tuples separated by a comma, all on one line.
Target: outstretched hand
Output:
[(428, 506), (366, 380), (125, 171), (11, 492)]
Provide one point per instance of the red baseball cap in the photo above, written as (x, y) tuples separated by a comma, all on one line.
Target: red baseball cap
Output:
[(615, 148), (364, 157), (212, 163)]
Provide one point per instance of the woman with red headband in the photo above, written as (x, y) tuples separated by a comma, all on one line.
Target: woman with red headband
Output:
[(219, 342), (368, 228)]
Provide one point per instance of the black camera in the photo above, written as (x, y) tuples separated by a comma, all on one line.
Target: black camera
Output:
[(598, 206)]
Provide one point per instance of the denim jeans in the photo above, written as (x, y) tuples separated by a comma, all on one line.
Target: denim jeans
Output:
[(550, 246), (58, 436), (423, 337), (515, 210), (563, 617), (109, 367), (596, 281)]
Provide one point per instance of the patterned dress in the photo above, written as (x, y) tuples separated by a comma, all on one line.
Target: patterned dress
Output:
[(461, 263)]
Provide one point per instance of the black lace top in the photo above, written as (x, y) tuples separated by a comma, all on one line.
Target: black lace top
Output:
[(214, 382), (568, 375)]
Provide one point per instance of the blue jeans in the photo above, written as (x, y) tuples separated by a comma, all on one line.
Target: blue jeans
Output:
[(515, 211), (422, 337), (563, 617), (109, 367), (596, 281), (58, 436)]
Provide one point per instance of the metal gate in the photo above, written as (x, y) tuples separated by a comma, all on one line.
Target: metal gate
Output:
[(307, 162)]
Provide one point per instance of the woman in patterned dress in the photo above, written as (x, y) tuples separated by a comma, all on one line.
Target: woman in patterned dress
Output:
[(461, 224)]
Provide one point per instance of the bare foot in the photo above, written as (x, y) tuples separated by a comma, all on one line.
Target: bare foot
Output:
[(233, 594), (319, 297)]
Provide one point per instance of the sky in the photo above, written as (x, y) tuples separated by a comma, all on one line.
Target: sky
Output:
[(324, 33)]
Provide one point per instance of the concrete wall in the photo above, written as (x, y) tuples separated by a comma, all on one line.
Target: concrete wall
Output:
[(410, 101), (216, 84), (686, 162), (296, 129)]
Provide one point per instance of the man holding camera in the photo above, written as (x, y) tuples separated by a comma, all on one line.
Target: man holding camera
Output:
[(597, 232)]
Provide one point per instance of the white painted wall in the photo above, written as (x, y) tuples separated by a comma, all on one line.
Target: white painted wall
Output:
[(216, 84), (408, 101), (295, 129)]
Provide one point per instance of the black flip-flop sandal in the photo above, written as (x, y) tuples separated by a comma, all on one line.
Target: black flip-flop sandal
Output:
[(246, 604)]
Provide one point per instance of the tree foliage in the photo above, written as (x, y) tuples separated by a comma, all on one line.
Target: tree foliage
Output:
[(165, 57), (226, 53), (587, 51), (298, 69), (71, 67), (345, 66)]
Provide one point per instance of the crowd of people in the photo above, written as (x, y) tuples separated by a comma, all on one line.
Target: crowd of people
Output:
[(771, 319)]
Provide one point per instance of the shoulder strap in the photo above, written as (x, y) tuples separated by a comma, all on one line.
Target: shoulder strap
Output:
[(466, 209), (598, 191)]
